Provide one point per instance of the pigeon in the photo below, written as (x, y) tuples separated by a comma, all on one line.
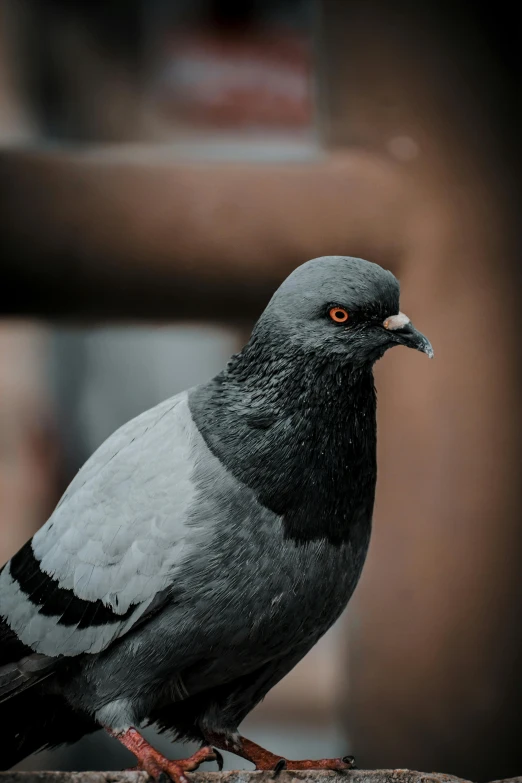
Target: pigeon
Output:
[(208, 544)]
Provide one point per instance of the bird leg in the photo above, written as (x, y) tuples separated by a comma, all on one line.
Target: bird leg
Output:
[(264, 759), (153, 762)]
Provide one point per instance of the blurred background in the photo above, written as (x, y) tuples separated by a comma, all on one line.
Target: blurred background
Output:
[(164, 164)]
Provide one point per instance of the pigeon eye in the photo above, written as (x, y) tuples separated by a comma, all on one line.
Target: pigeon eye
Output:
[(338, 314)]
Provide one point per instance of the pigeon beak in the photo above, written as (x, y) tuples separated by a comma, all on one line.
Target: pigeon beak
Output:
[(405, 333)]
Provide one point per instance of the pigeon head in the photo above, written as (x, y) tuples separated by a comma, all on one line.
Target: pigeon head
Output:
[(293, 415), (342, 307)]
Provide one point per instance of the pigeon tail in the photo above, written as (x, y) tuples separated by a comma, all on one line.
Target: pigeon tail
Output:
[(32, 721)]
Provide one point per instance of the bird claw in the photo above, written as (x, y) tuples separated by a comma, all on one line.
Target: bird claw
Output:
[(162, 770), (219, 759), (156, 765), (279, 767)]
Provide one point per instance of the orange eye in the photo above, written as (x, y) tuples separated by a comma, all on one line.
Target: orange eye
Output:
[(339, 315)]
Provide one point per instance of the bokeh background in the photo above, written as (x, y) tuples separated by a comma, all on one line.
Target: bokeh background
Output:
[(164, 164)]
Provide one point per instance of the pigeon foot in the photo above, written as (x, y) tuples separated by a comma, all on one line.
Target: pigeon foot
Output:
[(265, 760), (156, 765)]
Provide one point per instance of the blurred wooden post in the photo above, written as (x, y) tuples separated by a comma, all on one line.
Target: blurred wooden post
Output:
[(82, 236), (435, 640)]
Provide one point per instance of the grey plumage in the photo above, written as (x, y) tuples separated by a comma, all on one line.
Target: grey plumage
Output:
[(118, 534), (209, 543)]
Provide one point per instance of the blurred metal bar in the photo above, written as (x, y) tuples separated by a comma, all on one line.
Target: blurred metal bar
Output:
[(87, 237)]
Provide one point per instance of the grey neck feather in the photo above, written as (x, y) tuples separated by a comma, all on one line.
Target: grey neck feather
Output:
[(299, 429)]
